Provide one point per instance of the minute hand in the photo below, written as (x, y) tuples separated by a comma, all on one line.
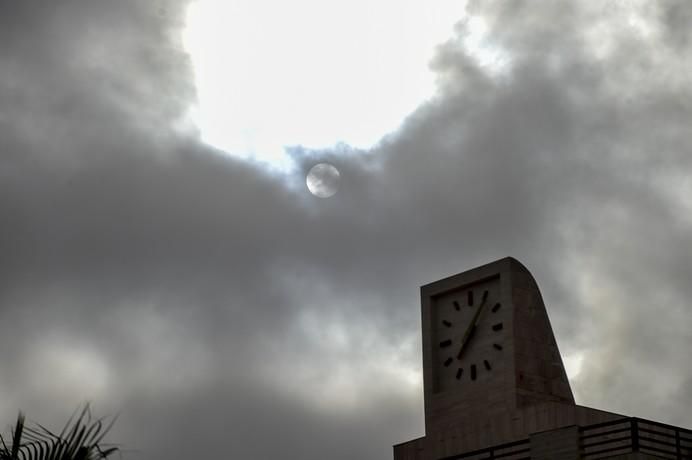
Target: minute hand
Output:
[(472, 326)]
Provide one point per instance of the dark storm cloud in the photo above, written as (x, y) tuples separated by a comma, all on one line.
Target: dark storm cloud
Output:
[(224, 310)]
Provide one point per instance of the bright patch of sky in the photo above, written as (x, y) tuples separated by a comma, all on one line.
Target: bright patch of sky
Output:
[(62, 369), (311, 73), (349, 360), (573, 364)]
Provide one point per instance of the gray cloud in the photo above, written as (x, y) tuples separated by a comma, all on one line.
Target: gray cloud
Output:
[(222, 309)]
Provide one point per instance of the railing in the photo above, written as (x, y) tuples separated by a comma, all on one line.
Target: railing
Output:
[(517, 450), (603, 440), (633, 434)]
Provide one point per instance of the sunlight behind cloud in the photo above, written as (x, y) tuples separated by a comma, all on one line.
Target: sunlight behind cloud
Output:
[(573, 364), (275, 74), (350, 357), (64, 370)]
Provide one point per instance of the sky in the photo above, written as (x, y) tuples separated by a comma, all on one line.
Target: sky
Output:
[(162, 257)]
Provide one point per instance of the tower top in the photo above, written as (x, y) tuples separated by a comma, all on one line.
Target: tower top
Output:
[(488, 347)]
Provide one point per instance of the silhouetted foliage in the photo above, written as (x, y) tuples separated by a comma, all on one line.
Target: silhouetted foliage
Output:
[(79, 440)]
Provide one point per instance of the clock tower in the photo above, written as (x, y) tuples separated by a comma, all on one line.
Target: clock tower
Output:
[(492, 371), (488, 348)]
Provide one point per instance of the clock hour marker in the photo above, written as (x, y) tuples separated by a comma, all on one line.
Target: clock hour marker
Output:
[(497, 346), (469, 298), (447, 323), (497, 327), (459, 372), (485, 297), (448, 361), (486, 364), (496, 307), (473, 372), (445, 343), (456, 305)]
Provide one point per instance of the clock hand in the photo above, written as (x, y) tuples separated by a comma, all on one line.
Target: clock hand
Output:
[(467, 337), (472, 327)]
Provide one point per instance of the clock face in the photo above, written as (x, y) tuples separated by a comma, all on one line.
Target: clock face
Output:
[(468, 335)]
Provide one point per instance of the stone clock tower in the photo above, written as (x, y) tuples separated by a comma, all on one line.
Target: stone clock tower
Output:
[(492, 372), (488, 348)]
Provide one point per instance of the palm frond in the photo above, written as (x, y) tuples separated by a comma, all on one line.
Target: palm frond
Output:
[(79, 439)]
